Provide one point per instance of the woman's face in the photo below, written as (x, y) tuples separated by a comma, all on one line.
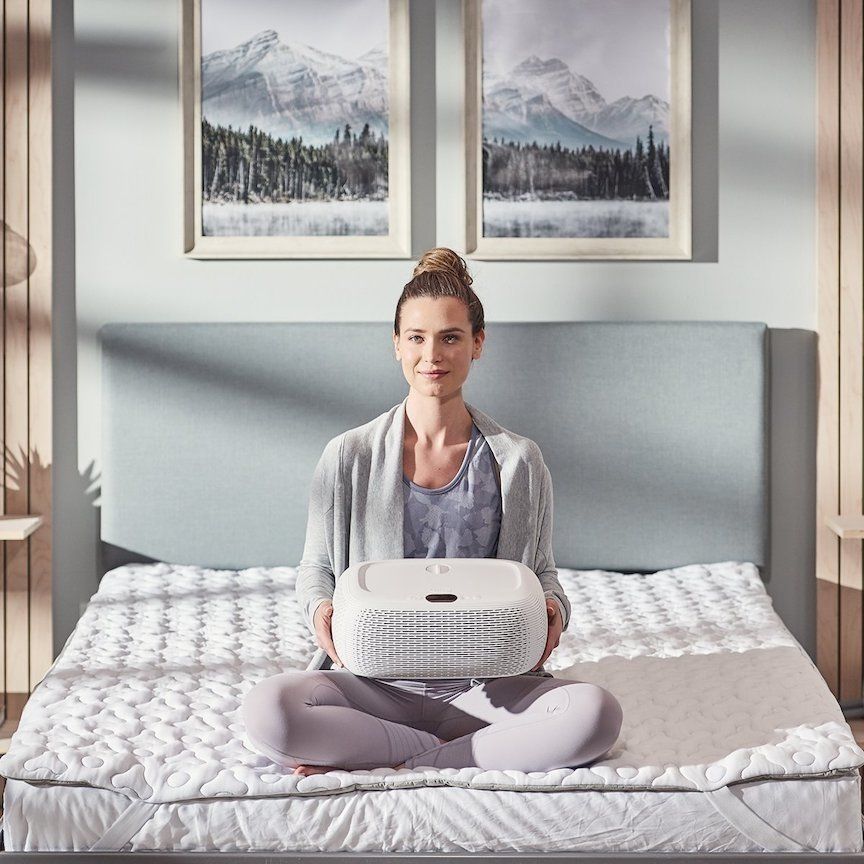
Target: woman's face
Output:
[(435, 335)]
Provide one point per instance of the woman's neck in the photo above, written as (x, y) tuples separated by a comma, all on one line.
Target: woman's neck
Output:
[(437, 423)]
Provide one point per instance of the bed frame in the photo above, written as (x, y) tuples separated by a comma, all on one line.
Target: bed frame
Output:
[(656, 436)]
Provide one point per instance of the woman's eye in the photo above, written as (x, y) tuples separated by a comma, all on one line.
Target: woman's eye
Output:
[(448, 336)]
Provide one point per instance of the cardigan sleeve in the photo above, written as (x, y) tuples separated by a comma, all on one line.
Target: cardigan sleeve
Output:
[(315, 577), (544, 561)]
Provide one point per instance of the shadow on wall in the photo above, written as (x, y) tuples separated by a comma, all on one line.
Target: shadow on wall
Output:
[(127, 62), (20, 260), (705, 126), (76, 525), (21, 471), (90, 492), (793, 409)]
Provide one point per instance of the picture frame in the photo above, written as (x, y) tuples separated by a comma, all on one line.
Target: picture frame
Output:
[(523, 225), (228, 230)]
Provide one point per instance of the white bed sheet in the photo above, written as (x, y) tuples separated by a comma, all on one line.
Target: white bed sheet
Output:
[(823, 814), (731, 740)]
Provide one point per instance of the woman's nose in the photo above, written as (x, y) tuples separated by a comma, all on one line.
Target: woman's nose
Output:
[(431, 351)]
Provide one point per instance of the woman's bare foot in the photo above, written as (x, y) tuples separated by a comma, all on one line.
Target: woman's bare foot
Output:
[(309, 770)]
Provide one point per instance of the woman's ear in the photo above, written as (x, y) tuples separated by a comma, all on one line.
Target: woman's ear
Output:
[(479, 339)]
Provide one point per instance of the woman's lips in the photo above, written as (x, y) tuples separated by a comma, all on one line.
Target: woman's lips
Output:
[(433, 374)]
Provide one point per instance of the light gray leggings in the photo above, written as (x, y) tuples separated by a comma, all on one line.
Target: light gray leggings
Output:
[(524, 722)]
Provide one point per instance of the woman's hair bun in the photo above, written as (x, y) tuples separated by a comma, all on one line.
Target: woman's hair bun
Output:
[(446, 261), (441, 272)]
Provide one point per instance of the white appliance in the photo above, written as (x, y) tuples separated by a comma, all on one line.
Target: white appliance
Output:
[(439, 618)]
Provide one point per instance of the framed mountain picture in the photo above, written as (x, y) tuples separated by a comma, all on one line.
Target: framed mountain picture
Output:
[(296, 128), (578, 129)]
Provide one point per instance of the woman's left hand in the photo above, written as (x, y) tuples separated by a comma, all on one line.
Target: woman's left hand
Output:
[(553, 634)]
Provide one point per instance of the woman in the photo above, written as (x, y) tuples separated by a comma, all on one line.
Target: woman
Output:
[(431, 477)]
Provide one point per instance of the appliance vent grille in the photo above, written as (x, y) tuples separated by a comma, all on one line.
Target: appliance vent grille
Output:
[(481, 643)]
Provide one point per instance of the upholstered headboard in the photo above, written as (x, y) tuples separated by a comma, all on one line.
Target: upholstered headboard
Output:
[(655, 434)]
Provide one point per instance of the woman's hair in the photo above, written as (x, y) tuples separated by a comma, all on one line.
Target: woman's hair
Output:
[(442, 273)]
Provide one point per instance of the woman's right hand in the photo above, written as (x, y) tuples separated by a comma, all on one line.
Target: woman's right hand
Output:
[(323, 632)]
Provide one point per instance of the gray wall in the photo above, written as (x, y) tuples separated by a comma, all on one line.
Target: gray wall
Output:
[(754, 223)]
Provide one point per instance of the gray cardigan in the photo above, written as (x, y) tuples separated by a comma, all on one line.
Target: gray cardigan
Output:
[(356, 505)]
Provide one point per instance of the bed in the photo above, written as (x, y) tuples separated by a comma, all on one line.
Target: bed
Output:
[(656, 438)]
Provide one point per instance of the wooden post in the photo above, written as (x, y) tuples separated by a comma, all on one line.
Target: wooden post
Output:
[(840, 448), (828, 439), (26, 380), (851, 345)]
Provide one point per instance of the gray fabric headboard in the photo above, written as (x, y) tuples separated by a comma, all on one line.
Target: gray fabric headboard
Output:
[(655, 434)]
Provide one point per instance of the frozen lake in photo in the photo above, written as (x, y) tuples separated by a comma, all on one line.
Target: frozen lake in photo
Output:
[(296, 219), (575, 218)]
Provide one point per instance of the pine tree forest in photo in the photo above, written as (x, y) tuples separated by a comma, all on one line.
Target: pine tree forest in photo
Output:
[(254, 167), (520, 171)]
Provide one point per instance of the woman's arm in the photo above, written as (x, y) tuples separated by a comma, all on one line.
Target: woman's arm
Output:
[(315, 578), (544, 561)]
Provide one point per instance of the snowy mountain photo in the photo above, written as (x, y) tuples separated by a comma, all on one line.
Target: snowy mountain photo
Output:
[(294, 117), (575, 118)]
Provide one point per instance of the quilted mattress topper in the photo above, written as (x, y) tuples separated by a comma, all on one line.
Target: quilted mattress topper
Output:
[(145, 697)]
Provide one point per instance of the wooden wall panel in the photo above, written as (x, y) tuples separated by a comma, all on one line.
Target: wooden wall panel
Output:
[(2, 341), (851, 346), (840, 458), (39, 379), (25, 340), (16, 424)]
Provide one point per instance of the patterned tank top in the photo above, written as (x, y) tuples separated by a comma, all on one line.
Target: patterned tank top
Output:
[(461, 519)]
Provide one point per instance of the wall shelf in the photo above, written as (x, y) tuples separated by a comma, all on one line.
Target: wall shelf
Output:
[(18, 527), (847, 527)]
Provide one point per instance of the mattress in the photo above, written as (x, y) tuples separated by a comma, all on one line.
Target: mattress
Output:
[(731, 740)]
